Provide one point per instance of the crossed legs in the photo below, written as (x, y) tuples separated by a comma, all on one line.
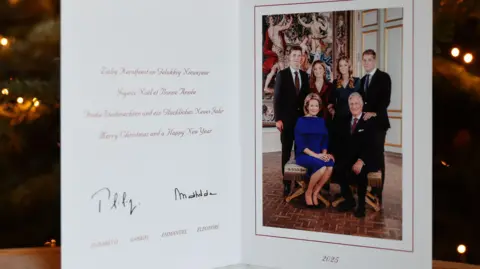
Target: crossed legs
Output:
[(317, 181), (318, 187)]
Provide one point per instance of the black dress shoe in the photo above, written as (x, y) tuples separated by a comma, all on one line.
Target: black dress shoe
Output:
[(359, 213), (346, 206)]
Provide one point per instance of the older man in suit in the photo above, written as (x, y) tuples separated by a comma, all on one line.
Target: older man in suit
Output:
[(291, 88), (356, 155), (376, 89)]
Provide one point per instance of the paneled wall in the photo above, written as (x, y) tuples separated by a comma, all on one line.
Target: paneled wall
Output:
[(382, 31)]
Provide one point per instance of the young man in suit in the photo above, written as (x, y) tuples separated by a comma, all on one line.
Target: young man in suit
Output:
[(376, 89), (291, 88), (354, 155)]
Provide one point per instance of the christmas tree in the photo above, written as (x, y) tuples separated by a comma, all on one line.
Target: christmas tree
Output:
[(456, 132), (29, 122)]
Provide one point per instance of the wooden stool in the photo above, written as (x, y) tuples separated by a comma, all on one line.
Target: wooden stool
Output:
[(297, 174), (370, 199), (374, 180)]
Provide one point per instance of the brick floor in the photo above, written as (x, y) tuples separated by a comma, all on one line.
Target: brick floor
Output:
[(386, 224)]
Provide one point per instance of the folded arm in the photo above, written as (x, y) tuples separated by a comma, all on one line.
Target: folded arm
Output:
[(301, 143)]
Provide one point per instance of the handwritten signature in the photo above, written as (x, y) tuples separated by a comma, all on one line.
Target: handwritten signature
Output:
[(114, 201), (196, 194)]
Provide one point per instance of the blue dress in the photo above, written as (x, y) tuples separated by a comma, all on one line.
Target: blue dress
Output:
[(311, 133)]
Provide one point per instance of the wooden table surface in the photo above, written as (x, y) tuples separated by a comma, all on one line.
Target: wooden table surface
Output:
[(49, 258)]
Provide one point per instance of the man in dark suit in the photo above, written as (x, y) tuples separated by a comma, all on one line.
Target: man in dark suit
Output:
[(355, 156), (376, 89), (291, 88)]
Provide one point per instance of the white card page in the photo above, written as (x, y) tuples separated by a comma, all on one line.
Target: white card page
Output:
[(150, 166), (287, 234)]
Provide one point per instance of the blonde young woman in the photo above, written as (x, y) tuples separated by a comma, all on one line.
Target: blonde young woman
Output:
[(312, 140)]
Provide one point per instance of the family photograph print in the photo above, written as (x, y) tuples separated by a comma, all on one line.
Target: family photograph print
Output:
[(332, 86)]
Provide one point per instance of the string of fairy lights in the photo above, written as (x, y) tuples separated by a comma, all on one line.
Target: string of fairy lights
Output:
[(4, 42), (21, 100), (467, 57)]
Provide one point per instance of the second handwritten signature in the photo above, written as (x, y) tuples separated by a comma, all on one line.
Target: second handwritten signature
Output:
[(195, 194)]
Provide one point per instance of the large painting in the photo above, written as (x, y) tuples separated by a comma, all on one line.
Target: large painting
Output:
[(322, 36)]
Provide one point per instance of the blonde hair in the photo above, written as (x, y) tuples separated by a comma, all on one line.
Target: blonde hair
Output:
[(310, 97), (351, 82)]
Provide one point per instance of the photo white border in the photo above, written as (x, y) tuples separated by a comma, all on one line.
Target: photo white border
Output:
[(406, 244), (277, 252)]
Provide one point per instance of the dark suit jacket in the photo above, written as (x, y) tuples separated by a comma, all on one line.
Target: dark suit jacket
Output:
[(349, 147), (377, 97), (288, 106)]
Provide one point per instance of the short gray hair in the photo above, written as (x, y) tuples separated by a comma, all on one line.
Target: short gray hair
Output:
[(355, 94)]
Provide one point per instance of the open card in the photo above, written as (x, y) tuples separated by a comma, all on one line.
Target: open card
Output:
[(171, 151)]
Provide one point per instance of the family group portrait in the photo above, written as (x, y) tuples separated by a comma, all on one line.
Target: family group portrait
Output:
[(332, 122)]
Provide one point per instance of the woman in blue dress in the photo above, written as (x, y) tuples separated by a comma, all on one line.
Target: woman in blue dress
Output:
[(311, 139)]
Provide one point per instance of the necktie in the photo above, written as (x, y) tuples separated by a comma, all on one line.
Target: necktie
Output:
[(367, 82), (354, 125), (297, 82)]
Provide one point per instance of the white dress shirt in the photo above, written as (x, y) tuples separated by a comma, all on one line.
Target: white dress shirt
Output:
[(353, 118), (293, 75)]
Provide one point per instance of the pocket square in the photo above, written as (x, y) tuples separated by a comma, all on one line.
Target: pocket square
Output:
[(360, 130)]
